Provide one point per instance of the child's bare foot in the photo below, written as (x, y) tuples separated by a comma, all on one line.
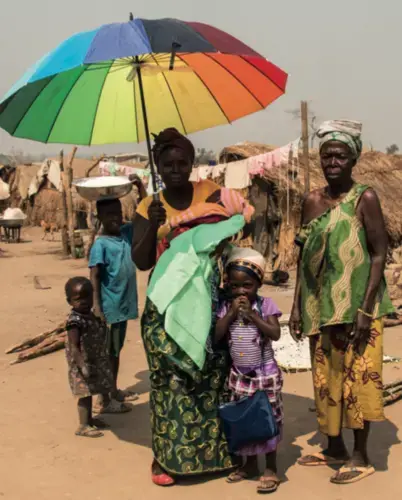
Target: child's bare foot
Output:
[(88, 431)]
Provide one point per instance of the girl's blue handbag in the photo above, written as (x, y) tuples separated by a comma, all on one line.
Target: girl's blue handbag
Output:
[(249, 420)]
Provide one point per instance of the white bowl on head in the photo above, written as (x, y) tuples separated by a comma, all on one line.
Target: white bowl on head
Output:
[(103, 188)]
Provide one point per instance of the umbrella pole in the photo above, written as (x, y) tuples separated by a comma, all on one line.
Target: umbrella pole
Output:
[(147, 134)]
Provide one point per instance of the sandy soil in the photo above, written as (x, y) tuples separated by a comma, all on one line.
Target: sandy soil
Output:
[(40, 458)]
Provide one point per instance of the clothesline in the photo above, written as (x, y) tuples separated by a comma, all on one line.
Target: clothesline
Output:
[(239, 174)]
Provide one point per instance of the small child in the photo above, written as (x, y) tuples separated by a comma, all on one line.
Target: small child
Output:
[(251, 323), (113, 276), (89, 370)]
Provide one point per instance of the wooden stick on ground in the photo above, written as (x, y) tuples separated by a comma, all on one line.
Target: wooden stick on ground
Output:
[(33, 341), (48, 346), (392, 398)]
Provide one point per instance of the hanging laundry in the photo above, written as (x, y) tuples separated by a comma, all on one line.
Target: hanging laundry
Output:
[(237, 176), (277, 157), (257, 164), (194, 177), (218, 170), (284, 153), (204, 172), (295, 150)]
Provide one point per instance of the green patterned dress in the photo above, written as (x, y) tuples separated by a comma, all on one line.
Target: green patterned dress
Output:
[(187, 436), (335, 267)]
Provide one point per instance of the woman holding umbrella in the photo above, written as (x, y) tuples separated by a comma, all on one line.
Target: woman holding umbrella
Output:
[(186, 432), (90, 90)]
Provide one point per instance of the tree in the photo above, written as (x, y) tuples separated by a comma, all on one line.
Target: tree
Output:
[(312, 122), (392, 150), (203, 157)]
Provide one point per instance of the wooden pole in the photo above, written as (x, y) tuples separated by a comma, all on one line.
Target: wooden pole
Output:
[(306, 161), (94, 165), (68, 179), (64, 216)]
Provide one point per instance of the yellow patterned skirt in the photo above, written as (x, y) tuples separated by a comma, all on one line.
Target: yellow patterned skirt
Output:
[(347, 383)]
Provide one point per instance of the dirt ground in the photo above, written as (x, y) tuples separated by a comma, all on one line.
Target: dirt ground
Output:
[(40, 458)]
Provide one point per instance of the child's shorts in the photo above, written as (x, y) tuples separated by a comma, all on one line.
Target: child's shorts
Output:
[(116, 337)]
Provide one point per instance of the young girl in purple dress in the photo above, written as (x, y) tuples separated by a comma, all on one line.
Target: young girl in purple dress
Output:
[(251, 323)]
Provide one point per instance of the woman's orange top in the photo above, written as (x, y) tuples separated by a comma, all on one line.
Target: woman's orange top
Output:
[(202, 191)]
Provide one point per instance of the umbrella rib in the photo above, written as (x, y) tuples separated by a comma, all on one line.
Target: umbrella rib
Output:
[(172, 95), (61, 107), (208, 89), (30, 106), (97, 104), (262, 73), (237, 79)]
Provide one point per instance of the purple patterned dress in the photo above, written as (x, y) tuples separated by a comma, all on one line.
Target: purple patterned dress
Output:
[(254, 368)]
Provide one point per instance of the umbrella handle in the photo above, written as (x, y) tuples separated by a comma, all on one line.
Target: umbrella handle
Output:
[(146, 127)]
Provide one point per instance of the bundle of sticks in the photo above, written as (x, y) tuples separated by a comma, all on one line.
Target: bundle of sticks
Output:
[(392, 392), (44, 343)]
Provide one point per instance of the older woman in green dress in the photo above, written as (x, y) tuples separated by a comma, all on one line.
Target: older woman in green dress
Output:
[(340, 301)]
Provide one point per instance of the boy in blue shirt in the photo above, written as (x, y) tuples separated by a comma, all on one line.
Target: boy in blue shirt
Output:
[(113, 276)]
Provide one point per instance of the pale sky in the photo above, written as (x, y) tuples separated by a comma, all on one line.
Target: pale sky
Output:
[(343, 56)]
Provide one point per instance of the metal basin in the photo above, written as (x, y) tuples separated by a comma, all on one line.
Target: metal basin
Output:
[(103, 188), (11, 222)]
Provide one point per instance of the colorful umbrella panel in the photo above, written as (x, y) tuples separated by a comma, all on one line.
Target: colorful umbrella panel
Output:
[(87, 92)]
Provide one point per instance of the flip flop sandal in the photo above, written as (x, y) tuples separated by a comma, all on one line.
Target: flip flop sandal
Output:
[(97, 423), (237, 476), (114, 407), (268, 484), (320, 459), (129, 396), (89, 432), (352, 474)]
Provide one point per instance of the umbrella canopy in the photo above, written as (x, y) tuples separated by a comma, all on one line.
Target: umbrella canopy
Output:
[(88, 91)]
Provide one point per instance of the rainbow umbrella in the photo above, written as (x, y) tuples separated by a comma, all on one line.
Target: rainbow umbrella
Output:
[(118, 82)]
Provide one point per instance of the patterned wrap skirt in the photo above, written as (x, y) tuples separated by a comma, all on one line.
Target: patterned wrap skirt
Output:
[(187, 434), (347, 381)]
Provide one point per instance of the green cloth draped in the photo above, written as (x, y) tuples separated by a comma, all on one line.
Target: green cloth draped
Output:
[(180, 285), (335, 267)]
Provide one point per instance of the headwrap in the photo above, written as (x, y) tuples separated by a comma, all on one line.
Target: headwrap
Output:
[(171, 138), (346, 131), (248, 261)]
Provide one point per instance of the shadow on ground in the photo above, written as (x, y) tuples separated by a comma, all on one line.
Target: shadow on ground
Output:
[(383, 436), (134, 427), (299, 421)]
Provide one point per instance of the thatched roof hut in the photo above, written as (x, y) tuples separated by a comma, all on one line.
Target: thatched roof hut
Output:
[(243, 150), (278, 198)]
